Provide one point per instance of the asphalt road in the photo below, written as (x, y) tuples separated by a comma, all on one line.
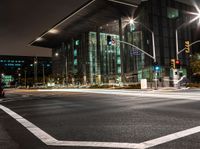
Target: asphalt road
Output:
[(96, 117)]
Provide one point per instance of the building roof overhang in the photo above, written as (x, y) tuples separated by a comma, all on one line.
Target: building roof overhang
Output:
[(86, 18)]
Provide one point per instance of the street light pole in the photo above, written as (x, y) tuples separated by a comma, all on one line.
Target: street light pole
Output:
[(153, 46), (153, 57), (177, 40), (177, 44)]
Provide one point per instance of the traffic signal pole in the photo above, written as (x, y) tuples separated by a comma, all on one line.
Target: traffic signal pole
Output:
[(153, 57), (177, 42), (179, 52), (124, 42), (184, 24)]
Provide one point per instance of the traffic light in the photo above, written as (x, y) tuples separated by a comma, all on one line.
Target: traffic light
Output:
[(156, 67), (173, 63), (178, 64), (109, 40), (187, 47)]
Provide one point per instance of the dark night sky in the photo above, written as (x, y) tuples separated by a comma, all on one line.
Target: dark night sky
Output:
[(22, 21)]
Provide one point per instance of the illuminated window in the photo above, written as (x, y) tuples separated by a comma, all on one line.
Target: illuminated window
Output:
[(118, 60), (17, 65), (77, 42), (172, 13), (132, 27), (10, 64), (118, 70), (75, 62), (75, 52)]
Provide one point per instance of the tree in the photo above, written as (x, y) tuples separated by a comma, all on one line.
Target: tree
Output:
[(195, 64), (195, 67)]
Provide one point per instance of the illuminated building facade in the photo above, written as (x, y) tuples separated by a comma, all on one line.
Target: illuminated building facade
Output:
[(14, 68), (81, 54)]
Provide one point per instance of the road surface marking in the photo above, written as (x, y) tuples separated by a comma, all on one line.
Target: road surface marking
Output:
[(51, 141), (170, 137), (40, 134)]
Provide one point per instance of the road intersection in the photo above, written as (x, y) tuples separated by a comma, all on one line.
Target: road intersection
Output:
[(96, 118)]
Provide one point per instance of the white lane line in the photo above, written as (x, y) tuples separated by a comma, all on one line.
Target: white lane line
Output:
[(49, 140), (97, 144), (169, 137)]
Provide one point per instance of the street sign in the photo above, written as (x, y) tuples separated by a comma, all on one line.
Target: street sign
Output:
[(134, 52)]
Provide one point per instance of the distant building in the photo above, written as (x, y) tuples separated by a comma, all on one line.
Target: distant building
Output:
[(82, 54), (16, 70)]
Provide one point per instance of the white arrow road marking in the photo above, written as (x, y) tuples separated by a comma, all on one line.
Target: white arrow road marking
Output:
[(51, 141)]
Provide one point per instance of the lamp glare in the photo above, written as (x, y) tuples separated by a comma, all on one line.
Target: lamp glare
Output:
[(53, 31), (131, 21)]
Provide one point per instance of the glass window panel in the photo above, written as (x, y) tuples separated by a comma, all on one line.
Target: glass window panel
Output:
[(172, 13)]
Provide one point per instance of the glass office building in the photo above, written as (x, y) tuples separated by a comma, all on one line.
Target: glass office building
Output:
[(83, 56)]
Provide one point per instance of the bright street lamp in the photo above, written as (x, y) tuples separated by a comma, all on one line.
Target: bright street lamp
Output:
[(131, 21), (56, 54)]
